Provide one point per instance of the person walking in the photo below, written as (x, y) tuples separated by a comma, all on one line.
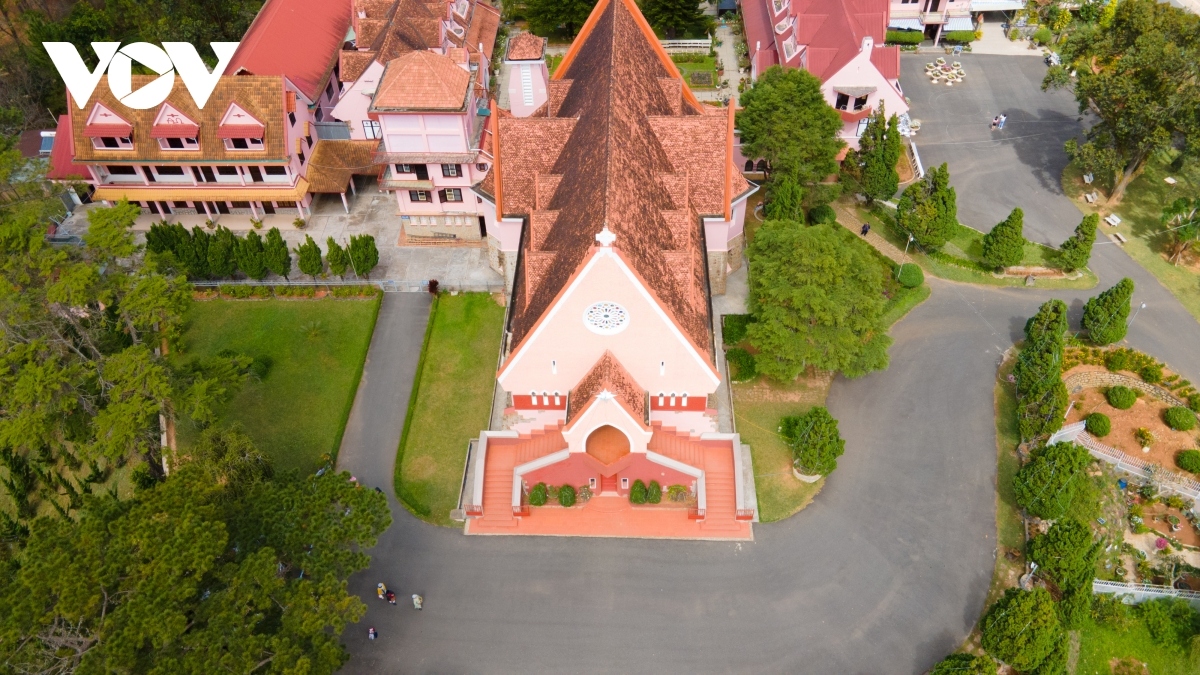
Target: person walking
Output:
[(1003, 119), (865, 229), (418, 601), (371, 634), (391, 598), (995, 122), (381, 591)]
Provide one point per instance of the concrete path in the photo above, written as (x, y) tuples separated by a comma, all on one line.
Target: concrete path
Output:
[(850, 221), (994, 41)]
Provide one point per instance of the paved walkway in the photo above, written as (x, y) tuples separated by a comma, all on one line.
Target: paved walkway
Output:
[(994, 41), (852, 222)]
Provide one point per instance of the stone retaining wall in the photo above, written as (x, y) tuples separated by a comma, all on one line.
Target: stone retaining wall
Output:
[(1093, 379)]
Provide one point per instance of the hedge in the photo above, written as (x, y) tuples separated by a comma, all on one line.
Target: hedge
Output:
[(959, 36), (566, 495), (905, 37), (637, 494), (1121, 398), (537, 495), (1179, 418), (654, 493), (911, 275), (733, 327), (1098, 425), (819, 215), (1188, 460), (744, 365)]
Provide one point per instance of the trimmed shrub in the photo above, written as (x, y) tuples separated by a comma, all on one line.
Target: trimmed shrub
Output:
[(537, 495), (1022, 628), (815, 441), (566, 495), (905, 37), (961, 37), (261, 366), (733, 327), (1194, 402), (1121, 398), (822, 214), (1098, 425), (653, 492), (1117, 359), (1188, 460), (1179, 418), (744, 366), (911, 275), (1151, 373), (1043, 36), (677, 493), (637, 494)]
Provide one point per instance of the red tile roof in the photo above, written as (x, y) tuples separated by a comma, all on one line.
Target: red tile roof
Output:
[(613, 148), (608, 375), (832, 31), (525, 47), (887, 60), (423, 81), (62, 151), (485, 22), (269, 47)]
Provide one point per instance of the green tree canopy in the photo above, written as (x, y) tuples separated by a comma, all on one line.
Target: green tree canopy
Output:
[(276, 255), (1076, 251), (1047, 484), (251, 258), (928, 209), (310, 257), (1048, 325), (1022, 628), (1138, 76), (878, 152), (965, 664), (1041, 394), (672, 16), (1105, 315), (815, 441), (785, 120), (817, 297), (363, 254), (222, 253), (1067, 554), (1181, 218), (545, 16), (337, 258), (1004, 246)]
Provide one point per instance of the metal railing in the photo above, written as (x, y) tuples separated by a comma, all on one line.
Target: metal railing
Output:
[(1141, 592), (682, 46), (1169, 481)]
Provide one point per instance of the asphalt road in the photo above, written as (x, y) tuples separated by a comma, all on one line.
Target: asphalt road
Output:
[(885, 572)]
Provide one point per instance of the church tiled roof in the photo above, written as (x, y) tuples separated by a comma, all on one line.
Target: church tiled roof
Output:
[(608, 375)]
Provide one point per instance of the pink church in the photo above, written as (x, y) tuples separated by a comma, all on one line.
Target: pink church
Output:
[(625, 196)]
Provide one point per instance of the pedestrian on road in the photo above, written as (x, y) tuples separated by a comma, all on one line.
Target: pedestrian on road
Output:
[(418, 601), (995, 122), (381, 590), (371, 633), (1003, 119), (391, 598), (865, 229)]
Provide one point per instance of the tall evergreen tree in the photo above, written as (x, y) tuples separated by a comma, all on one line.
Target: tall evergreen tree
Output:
[(877, 156), (928, 209), (1104, 316), (785, 199), (1022, 628), (250, 258), (672, 16), (276, 254), (1048, 325), (196, 260), (1041, 395), (222, 253), (337, 258), (363, 254), (545, 16), (310, 257), (1076, 251), (1004, 246)]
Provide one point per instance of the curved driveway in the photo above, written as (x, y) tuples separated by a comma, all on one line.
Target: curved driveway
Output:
[(884, 573)]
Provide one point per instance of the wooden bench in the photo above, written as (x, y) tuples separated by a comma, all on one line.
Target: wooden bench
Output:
[(1120, 239), (1113, 219)]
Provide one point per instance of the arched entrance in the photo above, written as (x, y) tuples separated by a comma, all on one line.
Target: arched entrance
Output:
[(607, 444)]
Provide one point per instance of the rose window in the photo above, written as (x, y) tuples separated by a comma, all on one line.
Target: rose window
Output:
[(606, 318)]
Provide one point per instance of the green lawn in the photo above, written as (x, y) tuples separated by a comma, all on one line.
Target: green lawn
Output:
[(450, 404), (1010, 531), (1140, 211), (780, 494), (709, 64), (299, 411), (1099, 645)]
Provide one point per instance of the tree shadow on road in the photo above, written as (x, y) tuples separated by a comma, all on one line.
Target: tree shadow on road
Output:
[(1038, 138)]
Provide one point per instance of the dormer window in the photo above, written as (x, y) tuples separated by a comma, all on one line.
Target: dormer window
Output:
[(178, 144), (243, 144), (112, 143), (779, 5), (844, 101), (789, 48)]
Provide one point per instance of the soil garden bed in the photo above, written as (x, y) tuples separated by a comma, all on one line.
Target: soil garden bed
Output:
[(1155, 517), (1147, 413)]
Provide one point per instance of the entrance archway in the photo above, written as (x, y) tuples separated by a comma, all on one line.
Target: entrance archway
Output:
[(607, 444)]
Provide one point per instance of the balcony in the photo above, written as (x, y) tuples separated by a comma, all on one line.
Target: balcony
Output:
[(778, 6), (782, 26), (928, 18), (855, 115)]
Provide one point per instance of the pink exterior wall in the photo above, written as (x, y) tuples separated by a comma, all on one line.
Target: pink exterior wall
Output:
[(562, 349), (538, 76), (860, 72), (580, 467), (356, 99)]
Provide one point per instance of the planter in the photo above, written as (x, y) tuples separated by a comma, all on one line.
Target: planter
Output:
[(805, 477)]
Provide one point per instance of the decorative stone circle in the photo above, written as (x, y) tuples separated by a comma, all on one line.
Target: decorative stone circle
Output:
[(606, 318)]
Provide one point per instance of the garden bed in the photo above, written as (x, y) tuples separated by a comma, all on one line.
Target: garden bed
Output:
[(1155, 517)]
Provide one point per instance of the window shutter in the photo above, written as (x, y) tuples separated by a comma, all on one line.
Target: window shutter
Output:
[(441, 195)]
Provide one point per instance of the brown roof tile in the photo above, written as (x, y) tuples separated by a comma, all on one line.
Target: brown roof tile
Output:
[(629, 151), (334, 161), (485, 23), (260, 95), (423, 80), (608, 375), (354, 64), (369, 30), (525, 47)]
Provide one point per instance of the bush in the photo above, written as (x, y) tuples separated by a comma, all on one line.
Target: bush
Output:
[(566, 495), (1180, 418), (637, 494), (815, 441), (1144, 437), (905, 37), (1117, 359), (1121, 398), (1194, 402), (961, 37), (1188, 460), (538, 495), (143, 478), (1047, 485), (677, 493), (1169, 620), (1151, 373), (1110, 611), (819, 215), (965, 664), (911, 275), (1022, 628), (654, 493), (1067, 554), (733, 327), (261, 366), (1098, 425), (744, 365), (1043, 36), (1075, 607)]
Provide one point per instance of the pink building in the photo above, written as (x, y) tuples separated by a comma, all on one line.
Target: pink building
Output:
[(934, 17), (620, 198), (525, 58), (839, 41)]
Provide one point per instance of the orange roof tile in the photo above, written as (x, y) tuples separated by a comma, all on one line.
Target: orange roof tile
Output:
[(607, 375), (525, 47), (422, 80)]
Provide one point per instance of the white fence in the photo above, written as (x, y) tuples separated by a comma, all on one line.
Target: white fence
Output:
[(387, 285), (687, 46), (1138, 593), (1169, 481)]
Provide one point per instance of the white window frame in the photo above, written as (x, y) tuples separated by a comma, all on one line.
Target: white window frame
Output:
[(252, 145), (123, 142), (372, 130), (188, 144)]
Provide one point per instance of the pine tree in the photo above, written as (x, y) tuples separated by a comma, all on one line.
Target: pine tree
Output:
[(928, 209), (1076, 251), (786, 199), (672, 16), (276, 254), (250, 258), (196, 260), (222, 253), (337, 258), (310, 257), (1104, 316), (1004, 246), (363, 254), (1049, 324), (877, 156)]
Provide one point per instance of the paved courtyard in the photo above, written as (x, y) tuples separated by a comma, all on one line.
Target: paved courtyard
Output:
[(885, 572)]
